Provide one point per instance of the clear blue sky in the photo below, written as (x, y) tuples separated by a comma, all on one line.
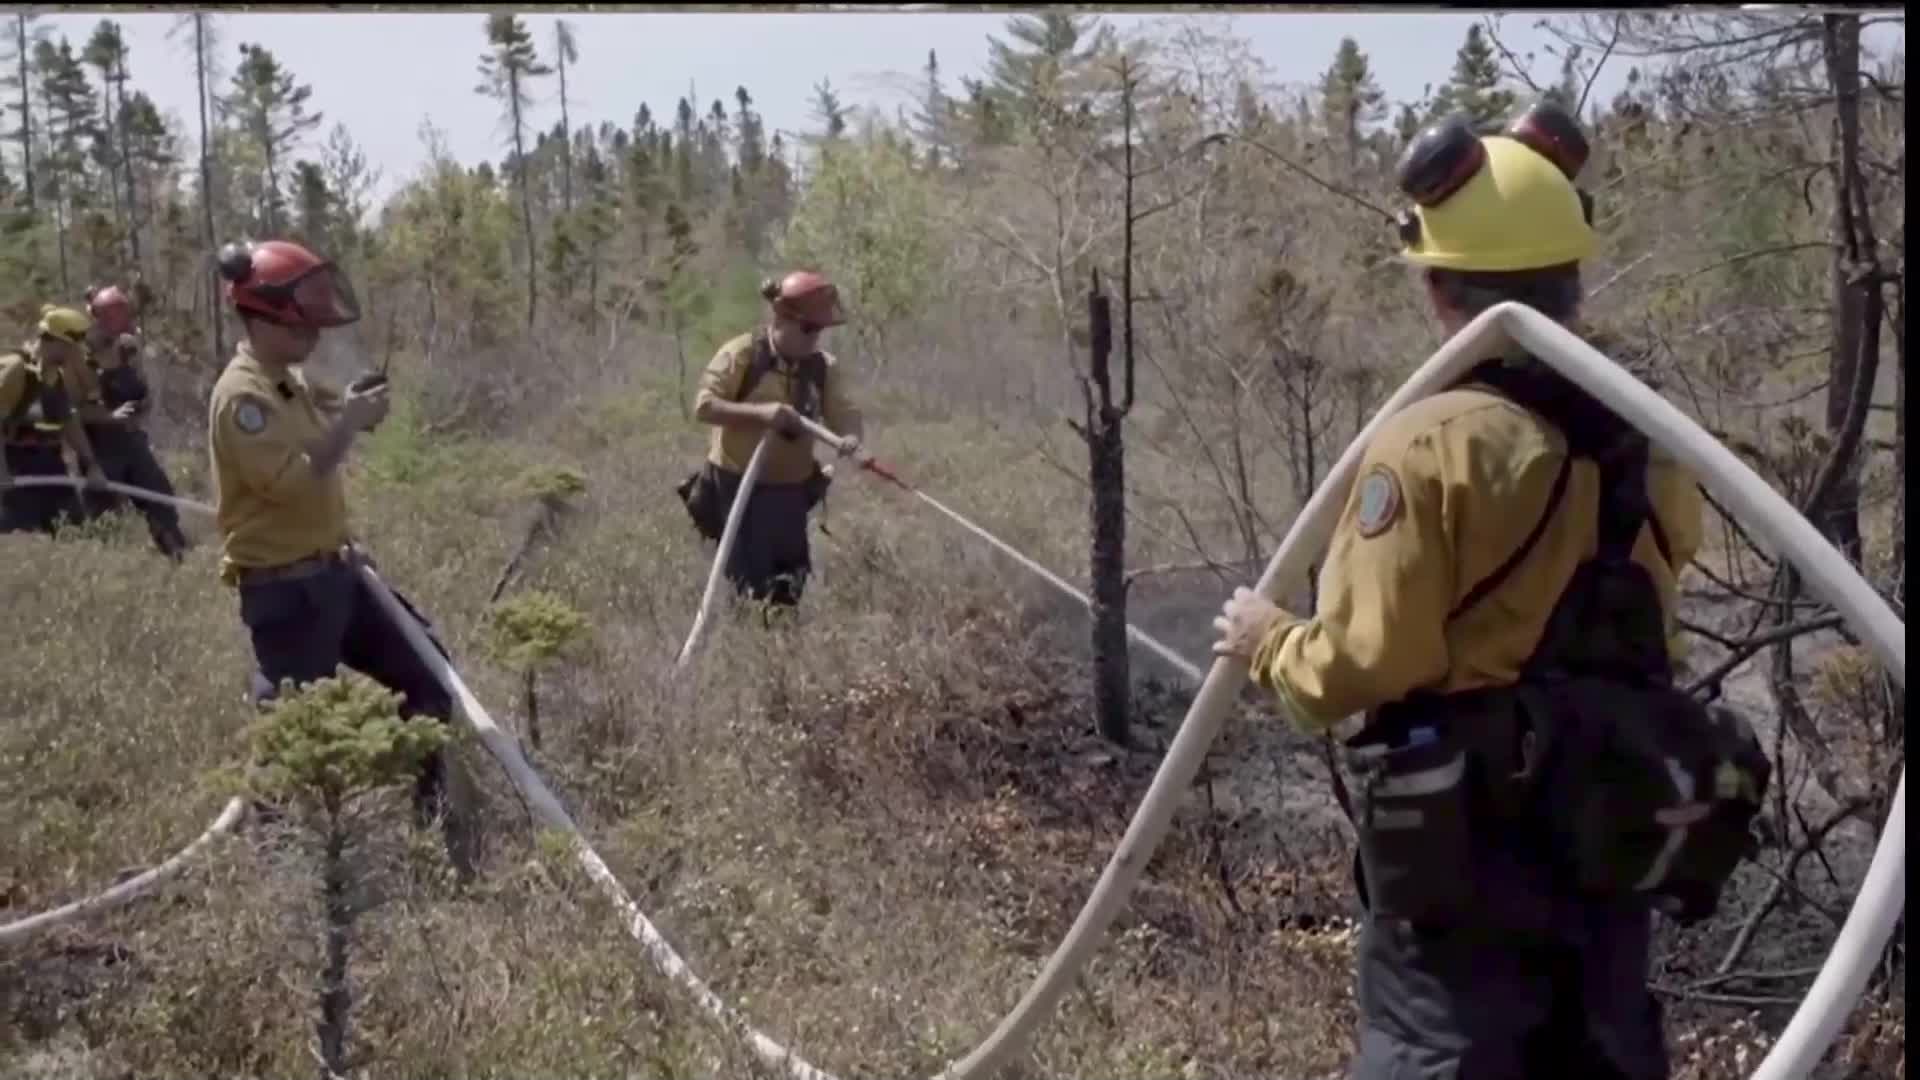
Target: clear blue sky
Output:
[(383, 74)]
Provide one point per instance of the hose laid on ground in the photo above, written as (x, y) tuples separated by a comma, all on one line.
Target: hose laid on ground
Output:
[(507, 751), (19, 931)]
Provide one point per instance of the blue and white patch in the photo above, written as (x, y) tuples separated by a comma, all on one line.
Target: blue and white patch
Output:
[(1378, 503), (250, 416)]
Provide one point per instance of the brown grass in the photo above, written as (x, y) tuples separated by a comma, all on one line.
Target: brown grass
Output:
[(867, 830)]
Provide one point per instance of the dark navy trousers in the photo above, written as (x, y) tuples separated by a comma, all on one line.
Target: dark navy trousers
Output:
[(1545, 985), (305, 628)]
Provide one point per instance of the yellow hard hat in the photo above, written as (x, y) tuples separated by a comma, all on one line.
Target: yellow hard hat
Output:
[(1499, 202), (68, 324)]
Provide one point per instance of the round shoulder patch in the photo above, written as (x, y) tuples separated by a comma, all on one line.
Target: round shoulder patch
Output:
[(250, 416), (1379, 501)]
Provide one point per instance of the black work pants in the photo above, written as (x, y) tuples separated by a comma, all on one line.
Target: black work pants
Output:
[(1499, 1001), (305, 628), (30, 509), (771, 559), (126, 457)]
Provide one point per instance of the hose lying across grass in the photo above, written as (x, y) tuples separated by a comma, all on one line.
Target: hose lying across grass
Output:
[(1850, 963), (19, 931)]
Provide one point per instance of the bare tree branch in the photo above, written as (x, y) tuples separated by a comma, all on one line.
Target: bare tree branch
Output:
[(1619, 24), (1754, 645)]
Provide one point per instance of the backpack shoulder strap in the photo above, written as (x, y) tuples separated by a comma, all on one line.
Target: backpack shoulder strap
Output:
[(812, 369), (757, 367), (1505, 570), (1624, 506)]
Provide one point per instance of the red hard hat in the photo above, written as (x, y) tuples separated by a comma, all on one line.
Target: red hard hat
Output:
[(282, 282), (111, 309), (806, 297)]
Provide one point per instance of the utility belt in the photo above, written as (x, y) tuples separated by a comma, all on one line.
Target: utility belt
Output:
[(708, 494), (36, 436), (296, 570), (1597, 788)]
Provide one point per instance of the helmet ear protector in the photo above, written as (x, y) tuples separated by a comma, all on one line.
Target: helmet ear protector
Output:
[(1443, 157), (314, 293)]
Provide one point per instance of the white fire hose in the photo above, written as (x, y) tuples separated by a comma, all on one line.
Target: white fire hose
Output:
[(140, 884), (728, 536), (1757, 505), (1869, 923)]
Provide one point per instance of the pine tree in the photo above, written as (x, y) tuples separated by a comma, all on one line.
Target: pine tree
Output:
[(1029, 83), (1350, 99), (272, 108), (1475, 87), (565, 51), (932, 122), (1566, 92), (315, 207), (829, 111), (106, 51), (750, 131), (505, 72), (71, 111), (18, 77), (683, 151)]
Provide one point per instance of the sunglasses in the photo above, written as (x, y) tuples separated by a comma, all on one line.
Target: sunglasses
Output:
[(1444, 157)]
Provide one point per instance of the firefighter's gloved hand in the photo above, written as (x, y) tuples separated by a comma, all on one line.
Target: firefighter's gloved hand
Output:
[(95, 479), (126, 411), (850, 447)]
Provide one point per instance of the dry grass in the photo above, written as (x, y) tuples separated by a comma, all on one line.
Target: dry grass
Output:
[(866, 830)]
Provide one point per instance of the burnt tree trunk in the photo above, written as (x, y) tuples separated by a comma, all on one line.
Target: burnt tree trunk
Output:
[(1106, 460), (1856, 316), (1107, 468)]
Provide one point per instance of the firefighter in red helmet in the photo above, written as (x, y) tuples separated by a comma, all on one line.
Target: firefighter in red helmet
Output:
[(278, 444), (110, 396), (764, 380)]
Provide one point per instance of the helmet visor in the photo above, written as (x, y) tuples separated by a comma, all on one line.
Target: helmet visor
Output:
[(325, 298)]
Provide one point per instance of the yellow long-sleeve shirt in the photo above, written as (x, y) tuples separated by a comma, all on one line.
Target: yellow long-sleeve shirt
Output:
[(272, 509), (789, 461), (1448, 490)]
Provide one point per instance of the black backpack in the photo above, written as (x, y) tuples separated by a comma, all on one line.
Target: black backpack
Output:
[(1624, 783), (1644, 788)]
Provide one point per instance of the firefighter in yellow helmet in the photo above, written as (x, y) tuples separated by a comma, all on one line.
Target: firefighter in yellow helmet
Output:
[(36, 417), (1506, 540)]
